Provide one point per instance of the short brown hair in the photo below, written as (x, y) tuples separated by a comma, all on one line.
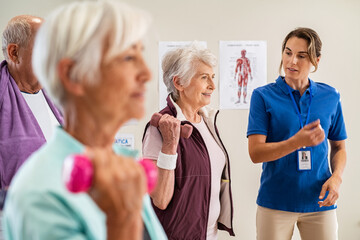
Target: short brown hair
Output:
[(313, 40)]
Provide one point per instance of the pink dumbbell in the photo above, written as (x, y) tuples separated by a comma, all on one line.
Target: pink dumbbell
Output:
[(78, 173), (185, 130)]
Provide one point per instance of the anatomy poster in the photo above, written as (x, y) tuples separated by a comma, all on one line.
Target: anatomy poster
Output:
[(164, 47), (242, 69)]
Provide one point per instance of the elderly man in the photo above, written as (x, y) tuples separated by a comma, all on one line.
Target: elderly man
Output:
[(27, 116)]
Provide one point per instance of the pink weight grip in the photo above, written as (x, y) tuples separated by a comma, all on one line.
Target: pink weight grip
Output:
[(185, 130), (78, 173), (150, 172)]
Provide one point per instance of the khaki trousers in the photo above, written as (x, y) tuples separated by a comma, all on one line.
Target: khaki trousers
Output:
[(279, 225)]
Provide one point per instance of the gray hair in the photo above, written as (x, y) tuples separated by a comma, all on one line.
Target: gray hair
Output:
[(17, 31), (183, 63), (79, 31)]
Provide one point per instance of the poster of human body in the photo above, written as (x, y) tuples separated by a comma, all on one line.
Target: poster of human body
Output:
[(164, 47), (242, 69)]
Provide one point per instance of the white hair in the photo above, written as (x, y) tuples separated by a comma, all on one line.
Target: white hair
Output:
[(183, 63), (80, 31), (18, 31)]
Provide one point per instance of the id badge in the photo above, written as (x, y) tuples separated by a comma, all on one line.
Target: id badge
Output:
[(304, 159)]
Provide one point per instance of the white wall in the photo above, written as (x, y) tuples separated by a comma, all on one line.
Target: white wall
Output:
[(336, 21)]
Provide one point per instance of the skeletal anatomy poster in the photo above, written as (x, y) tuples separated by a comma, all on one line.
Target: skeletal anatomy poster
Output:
[(164, 47), (242, 69)]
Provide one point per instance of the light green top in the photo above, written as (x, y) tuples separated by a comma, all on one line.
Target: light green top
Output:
[(38, 206)]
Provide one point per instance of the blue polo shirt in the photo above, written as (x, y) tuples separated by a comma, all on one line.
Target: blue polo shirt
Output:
[(272, 113)]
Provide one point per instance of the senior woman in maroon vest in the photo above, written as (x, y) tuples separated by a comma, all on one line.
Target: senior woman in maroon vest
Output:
[(193, 197)]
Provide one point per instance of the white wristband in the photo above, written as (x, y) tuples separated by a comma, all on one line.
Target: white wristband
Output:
[(166, 161)]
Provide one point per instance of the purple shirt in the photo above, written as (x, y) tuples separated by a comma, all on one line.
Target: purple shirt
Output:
[(20, 133)]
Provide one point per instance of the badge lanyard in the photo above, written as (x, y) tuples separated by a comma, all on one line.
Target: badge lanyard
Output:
[(296, 107), (304, 155)]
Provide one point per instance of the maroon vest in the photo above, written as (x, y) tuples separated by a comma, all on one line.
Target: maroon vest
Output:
[(186, 216)]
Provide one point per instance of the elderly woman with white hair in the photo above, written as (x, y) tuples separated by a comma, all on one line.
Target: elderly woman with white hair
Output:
[(88, 56), (193, 196)]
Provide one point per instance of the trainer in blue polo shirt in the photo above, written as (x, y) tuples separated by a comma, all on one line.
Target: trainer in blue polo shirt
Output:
[(290, 123)]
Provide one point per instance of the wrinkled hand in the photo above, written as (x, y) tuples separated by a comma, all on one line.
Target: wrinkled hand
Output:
[(118, 189), (170, 131), (332, 185), (310, 135)]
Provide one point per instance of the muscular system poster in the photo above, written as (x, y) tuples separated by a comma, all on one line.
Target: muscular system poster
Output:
[(242, 67)]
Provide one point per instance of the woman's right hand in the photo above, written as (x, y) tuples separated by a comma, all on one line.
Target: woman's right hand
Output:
[(170, 131), (310, 135), (261, 151), (118, 189)]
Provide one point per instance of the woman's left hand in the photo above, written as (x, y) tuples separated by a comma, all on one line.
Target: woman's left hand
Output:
[(332, 185)]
